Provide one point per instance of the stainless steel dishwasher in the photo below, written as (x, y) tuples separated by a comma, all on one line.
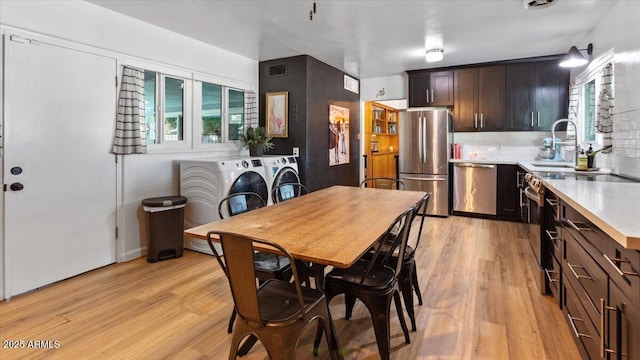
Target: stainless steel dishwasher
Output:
[(474, 188)]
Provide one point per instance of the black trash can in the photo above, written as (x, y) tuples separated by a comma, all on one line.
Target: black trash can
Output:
[(165, 226)]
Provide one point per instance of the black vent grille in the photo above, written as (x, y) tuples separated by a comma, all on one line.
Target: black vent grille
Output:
[(278, 70)]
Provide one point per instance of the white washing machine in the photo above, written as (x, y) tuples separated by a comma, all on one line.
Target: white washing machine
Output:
[(280, 169), (204, 182)]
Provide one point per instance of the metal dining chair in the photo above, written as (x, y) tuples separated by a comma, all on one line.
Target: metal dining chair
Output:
[(375, 283), (383, 183), (267, 265), (277, 311), (408, 278), (288, 191)]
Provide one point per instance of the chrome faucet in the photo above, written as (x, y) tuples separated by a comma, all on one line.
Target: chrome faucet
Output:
[(575, 136)]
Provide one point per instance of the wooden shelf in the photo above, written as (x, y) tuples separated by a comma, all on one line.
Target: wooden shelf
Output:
[(381, 139)]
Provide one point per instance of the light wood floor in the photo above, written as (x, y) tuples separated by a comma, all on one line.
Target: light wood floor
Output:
[(477, 279)]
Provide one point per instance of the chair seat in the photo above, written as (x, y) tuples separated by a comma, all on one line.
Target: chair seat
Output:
[(379, 276), (268, 262), (408, 255), (279, 301)]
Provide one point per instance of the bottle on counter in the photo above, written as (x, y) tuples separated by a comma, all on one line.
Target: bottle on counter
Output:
[(590, 157), (582, 160)]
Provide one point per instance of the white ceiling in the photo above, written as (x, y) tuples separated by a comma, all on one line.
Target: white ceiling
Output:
[(375, 38)]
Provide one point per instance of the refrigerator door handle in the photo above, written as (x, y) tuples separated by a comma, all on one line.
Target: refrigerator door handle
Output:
[(425, 178), (424, 140), (420, 138)]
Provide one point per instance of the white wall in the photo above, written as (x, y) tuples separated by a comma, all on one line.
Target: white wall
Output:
[(393, 87), (142, 176), (619, 30)]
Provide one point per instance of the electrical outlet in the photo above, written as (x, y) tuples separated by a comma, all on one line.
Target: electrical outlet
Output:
[(296, 151)]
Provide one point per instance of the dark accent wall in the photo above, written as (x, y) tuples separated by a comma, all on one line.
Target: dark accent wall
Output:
[(313, 86)]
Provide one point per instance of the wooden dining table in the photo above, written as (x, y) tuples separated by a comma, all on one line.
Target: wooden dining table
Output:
[(334, 226)]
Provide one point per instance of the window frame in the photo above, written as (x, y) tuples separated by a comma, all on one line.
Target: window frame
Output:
[(593, 72)]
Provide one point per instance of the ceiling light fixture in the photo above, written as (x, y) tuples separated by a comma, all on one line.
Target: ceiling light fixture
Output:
[(575, 58), (434, 55)]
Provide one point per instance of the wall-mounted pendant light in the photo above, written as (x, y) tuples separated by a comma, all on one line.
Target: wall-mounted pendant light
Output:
[(434, 55), (575, 58)]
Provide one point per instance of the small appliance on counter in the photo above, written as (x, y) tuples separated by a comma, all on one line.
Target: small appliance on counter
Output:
[(549, 152)]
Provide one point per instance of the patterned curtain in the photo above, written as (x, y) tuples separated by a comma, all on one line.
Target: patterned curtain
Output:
[(250, 109), (130, 132), (604, 120)]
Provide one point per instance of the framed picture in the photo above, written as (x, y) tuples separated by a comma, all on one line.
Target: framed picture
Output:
[(338, 135), (277, 117)]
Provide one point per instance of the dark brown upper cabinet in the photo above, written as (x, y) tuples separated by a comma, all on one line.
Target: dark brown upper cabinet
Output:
[(537, 95), (479, 99), (431, 89)]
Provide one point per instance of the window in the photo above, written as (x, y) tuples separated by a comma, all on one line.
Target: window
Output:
[(185, 113), (169, 106), (236, 114), (173, 125), (590, 113), (588, 83), (221, 113), (211, 113)]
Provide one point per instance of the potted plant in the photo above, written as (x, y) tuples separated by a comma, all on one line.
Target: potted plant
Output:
[(257, 140)]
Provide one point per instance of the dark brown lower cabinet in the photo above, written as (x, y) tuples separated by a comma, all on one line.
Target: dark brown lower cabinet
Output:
[(600, 289), (623, 323), (508, 194)]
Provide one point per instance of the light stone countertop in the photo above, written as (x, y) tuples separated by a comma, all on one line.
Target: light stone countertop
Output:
[(613, 207)]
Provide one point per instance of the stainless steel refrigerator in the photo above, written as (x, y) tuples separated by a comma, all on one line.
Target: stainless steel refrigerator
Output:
[(425, 138)]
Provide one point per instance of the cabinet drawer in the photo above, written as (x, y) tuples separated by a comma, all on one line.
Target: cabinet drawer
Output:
[(589, 236), (589, 280), (554, 243), (623, 266), (585, 333), (553, 276)]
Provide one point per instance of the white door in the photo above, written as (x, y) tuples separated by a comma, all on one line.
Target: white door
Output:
[(59, 116)]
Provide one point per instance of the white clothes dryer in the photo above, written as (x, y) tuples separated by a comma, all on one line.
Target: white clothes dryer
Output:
[(280, 169), (204, 182)]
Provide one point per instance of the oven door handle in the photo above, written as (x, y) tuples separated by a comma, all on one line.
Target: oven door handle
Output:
[(533, 195)]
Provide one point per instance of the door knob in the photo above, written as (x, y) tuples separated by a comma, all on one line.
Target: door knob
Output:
[(16, 186)]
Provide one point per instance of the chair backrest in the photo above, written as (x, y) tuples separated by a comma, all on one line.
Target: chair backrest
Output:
[(422, 211), (384, 183), (238, 266), (287, 191), (239, 203), (400, 228)]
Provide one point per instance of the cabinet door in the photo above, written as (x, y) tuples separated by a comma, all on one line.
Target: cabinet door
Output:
[(441, 88), (624, 327), (491, 95), (508, 201), (379, 164), (465, 108), (552, 94), (418, 89), (521, 95)]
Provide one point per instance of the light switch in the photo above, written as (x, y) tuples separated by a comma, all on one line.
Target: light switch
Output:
[(296, 151)]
